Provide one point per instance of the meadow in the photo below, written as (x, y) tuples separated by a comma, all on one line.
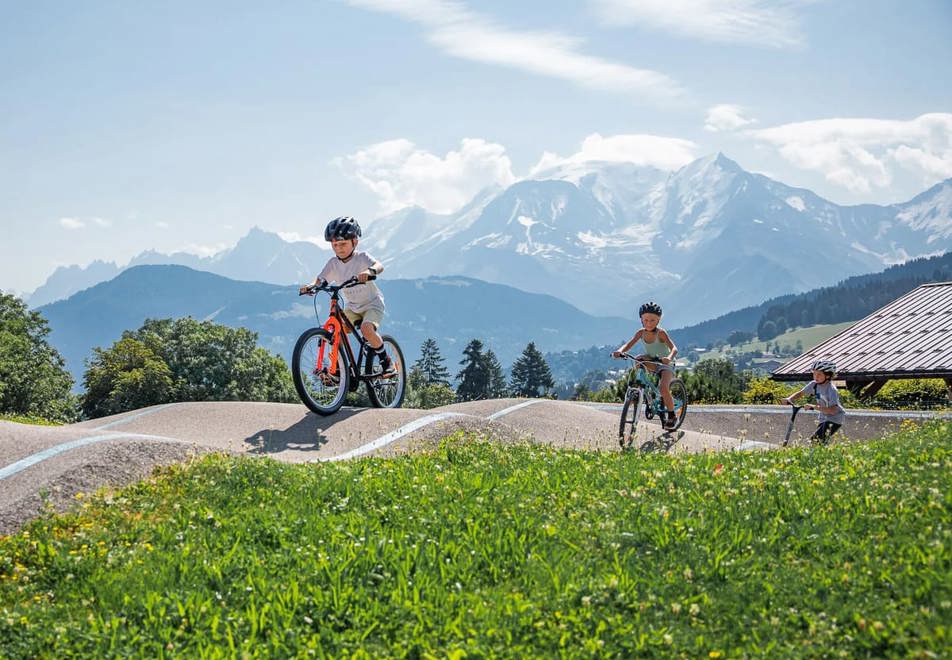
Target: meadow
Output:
[(480, 549)]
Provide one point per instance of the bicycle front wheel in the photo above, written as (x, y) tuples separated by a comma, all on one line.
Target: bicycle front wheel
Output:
[(321, 385), (680, 395), (629, 419), (386, 390)]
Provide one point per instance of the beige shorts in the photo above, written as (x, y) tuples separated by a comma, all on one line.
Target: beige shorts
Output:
[(373, 315)]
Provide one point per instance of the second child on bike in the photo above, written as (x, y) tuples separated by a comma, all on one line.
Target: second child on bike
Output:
[(831, 413), (658, 355), (365, 303)]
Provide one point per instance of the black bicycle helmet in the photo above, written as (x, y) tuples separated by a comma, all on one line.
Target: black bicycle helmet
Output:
[(342, 229), (650, 308)]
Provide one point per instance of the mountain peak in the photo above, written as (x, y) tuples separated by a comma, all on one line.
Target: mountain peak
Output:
[(259, 238), (716, 161)]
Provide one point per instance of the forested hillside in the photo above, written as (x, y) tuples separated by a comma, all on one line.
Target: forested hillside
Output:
[(850, 300)]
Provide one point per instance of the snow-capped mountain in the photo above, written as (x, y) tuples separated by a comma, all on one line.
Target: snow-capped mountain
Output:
[(704, 240)]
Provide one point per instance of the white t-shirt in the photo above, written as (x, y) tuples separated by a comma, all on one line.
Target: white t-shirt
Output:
[(359, 298)]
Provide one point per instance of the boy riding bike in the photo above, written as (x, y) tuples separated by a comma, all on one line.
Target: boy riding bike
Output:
[(658, 356), (365, 304)]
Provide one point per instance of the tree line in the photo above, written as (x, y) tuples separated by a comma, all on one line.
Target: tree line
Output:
[(834, 305), (481, 376), (171, 360)]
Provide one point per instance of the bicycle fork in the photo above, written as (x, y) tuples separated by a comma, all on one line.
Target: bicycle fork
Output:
[(332, 326)]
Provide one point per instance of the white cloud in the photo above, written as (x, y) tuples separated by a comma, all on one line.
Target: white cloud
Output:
[(162, 225), (102, 222), (860, 154), (725, 117), (465, 34), (71, 223), (651, 150), (762, 22), (402, 175)]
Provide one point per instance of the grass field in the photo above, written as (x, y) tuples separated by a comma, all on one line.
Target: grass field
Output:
[(479, 549), (808, 336)]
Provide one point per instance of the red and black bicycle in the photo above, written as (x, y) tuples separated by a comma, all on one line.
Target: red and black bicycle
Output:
[(325, 368)]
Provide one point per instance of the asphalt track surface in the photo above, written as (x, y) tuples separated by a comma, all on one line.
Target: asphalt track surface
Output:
[(46, 467)]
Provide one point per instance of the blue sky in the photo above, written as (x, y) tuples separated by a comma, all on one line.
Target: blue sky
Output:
[(180, 125)]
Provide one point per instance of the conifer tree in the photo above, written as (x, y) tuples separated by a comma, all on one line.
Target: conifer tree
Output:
[(432, 369), (474, 378), (530, 374), (497, 378)]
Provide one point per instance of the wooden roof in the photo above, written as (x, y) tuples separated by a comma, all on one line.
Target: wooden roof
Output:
[(910, 337)]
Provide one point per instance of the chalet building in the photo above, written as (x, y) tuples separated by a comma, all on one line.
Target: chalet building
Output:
[(910, 337)]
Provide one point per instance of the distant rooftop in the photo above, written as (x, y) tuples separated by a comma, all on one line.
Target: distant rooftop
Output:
[(910, 337)]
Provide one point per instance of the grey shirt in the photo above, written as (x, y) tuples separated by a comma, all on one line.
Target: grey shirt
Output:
[(826, 396)]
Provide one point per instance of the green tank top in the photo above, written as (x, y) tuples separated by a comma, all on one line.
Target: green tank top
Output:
[(657, 348)]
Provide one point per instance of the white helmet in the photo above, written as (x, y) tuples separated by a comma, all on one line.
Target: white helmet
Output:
[(826, 366)]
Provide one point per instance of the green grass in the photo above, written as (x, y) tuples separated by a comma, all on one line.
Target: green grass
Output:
[(484, 550), (28, 419), (809, 337)]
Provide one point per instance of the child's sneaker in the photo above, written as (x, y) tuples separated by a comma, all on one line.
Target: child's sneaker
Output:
[(386, 366), (670, 421)]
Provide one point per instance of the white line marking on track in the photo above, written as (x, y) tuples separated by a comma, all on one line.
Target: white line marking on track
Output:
[(510, 409), (384, 440), (132, 417), (23, 464)]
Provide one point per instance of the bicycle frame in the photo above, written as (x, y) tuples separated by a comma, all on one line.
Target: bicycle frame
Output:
[(339, 325), (643, 381)]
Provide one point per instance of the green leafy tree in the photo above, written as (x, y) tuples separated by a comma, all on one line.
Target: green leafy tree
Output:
[(127, 376), (430, 364), (739, 337), (33, 376), (714, 381), (212, 362), (764, 390), (474, 378), (497, 378), (915, 393), (767, 330), (531, 376), (421, 394), (204, 361)]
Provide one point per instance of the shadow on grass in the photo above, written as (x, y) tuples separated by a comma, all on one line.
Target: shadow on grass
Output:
[(308, 434)]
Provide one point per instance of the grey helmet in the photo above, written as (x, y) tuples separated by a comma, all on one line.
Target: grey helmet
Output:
[(342, 229), (650, 308), (826, 366)]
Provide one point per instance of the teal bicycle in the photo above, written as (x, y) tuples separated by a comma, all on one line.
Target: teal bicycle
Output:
[(643, 394)]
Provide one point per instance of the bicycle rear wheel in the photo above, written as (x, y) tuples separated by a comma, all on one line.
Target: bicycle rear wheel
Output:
[(321, 388), (680, 395), (387, 391), (628, 424)]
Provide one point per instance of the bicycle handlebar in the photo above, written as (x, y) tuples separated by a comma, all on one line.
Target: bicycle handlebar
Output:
[(333, 288), (635, 358)]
